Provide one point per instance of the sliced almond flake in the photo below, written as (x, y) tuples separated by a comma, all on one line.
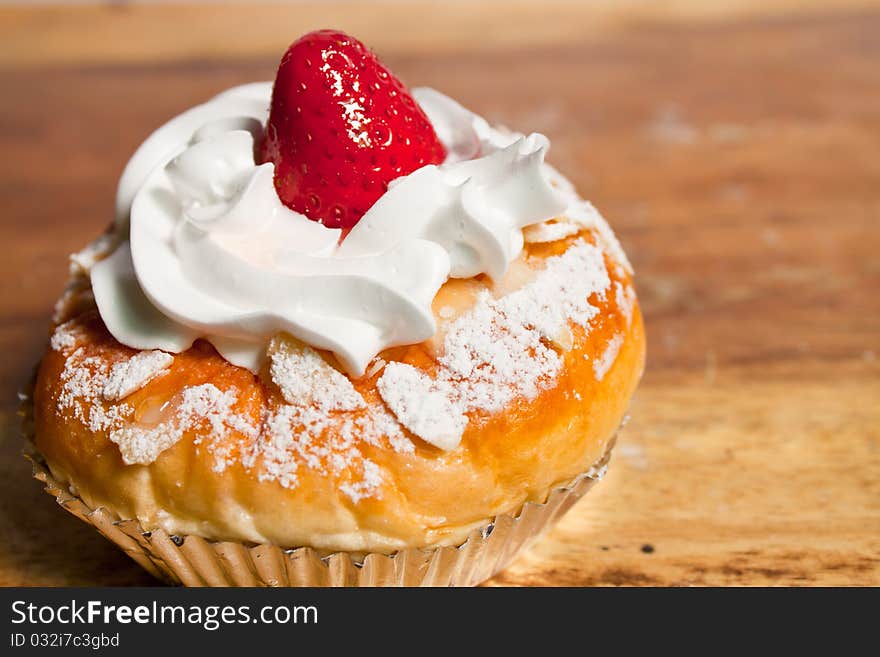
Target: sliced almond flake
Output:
[(142, 445), (626, 300), (374, 368), (303, 377), (603, 363), (131, 375), (424, 406), (563, 339)]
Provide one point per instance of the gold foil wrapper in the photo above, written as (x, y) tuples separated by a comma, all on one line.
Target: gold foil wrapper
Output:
[(195, 561)]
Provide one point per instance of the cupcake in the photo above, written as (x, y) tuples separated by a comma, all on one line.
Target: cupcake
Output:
[(339, 333)]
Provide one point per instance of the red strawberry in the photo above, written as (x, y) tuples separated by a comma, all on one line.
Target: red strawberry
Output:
[(341, 126)]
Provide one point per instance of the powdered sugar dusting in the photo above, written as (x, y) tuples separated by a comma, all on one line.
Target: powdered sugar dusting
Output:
[(86, 380), (423, 405), (209, 404), (586, 215), (367, 486), (549, 231), (82, 380), (625, 297), (198, 406), (83, 261), (498, 350), (133, 374), (303, 377), (76, 297), (66, 336), (329, 444), (603, 363), (323, 426), (143, 445), (324, 430), (495, 353)]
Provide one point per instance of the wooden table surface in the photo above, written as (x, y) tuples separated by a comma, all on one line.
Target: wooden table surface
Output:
[(734, 147)]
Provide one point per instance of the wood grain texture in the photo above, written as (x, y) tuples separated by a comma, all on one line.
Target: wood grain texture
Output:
[(132, 32), (734, 150)]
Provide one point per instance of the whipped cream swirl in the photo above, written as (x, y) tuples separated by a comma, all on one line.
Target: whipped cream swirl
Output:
[(212, 253)]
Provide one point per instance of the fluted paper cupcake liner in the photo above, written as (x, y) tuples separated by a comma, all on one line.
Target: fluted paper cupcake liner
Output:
[(195, 561)]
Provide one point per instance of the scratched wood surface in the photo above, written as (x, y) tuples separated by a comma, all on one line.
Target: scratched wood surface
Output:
[(733, 146)]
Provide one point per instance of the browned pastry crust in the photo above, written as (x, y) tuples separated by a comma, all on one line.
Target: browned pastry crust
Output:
[(426, 496)]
